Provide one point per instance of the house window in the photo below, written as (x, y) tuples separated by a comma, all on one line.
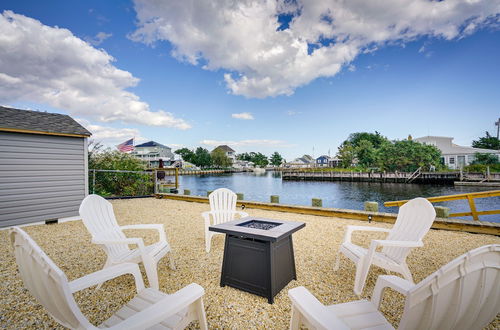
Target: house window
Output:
[(452, 160)]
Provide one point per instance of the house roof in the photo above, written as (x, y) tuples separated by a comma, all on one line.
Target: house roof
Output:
[(37, 122), (447, 147), (224, 148), (151, 144)]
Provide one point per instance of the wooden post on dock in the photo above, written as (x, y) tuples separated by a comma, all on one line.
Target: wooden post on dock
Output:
[(317, 202), (371, 206)]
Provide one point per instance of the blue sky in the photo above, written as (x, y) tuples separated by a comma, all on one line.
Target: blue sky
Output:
[(182, 71)]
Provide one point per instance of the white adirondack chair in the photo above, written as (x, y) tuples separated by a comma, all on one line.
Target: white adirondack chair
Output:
[(413, 222), (464, 294), (99, 219), (222, 209), (150, 307)]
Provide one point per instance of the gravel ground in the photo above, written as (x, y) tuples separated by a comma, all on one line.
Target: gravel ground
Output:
[(68, 244)]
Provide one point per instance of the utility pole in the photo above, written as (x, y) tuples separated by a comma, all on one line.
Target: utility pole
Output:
[(497, 124)]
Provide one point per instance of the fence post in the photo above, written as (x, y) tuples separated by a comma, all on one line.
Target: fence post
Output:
[(93, 181)]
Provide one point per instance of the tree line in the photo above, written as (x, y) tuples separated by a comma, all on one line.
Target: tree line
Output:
[(202, 158)]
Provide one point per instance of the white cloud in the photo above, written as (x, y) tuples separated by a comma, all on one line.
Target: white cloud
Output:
[(262, 59), (351, 68), (49, 65), (243, 115), (293, 113), (246, 143), (99, 38), (111, 136)]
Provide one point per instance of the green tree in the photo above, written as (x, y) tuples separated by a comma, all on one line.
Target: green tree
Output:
[(276, 159), (485, 158), (220, 159), (186, 154), (202, 157), (346, 154), (244, 156), (487, 142), (376, 139), (407, 156), (366, 153), (259, 159)]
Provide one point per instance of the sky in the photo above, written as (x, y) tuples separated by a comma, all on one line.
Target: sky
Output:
[(291, 76)]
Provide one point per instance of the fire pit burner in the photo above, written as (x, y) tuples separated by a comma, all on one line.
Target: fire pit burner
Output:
[(256, 224)]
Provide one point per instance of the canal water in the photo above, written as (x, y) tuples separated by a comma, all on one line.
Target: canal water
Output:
[(346, 195)]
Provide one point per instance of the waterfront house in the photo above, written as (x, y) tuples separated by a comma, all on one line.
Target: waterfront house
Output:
[(43, 166), (334, 162), (301, 162), (151, 152), (453, 155), (323, 161), (228, 151)]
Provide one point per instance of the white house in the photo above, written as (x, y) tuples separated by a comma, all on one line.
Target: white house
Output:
[(152, 152), (454, 156)]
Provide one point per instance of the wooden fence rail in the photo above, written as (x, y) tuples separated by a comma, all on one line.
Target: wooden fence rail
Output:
[(468, 196)]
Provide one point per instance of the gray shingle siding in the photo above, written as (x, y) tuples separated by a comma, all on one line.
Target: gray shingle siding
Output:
[(42, 177)]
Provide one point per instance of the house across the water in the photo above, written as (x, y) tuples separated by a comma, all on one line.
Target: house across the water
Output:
[(151, 152), (453, 155)]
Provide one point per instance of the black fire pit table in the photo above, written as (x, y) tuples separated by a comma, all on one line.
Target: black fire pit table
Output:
[(258, 255)]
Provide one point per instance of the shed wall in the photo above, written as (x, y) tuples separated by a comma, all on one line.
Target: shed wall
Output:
[(42, 177)]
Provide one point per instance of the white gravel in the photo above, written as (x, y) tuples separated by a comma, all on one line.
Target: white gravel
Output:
[(68, 244)]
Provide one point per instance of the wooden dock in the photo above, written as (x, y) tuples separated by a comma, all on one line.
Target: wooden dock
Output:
[(396, 177)]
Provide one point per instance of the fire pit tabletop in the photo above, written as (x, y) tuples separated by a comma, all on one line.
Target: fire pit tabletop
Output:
[(283, 228)]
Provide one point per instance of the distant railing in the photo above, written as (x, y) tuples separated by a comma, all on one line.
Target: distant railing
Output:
[(468, 196)]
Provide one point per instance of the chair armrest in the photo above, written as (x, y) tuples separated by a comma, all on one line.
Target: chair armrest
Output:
[(158, 227), (397, 243), (313, 310), (242, 214), (105, 241), (106, 274), (351, 229), (163, 309), (390, 281)]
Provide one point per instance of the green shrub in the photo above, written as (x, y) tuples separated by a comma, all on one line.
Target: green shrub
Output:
[(116, 183)]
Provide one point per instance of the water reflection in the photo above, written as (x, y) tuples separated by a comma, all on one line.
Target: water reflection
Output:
[(348, 195)]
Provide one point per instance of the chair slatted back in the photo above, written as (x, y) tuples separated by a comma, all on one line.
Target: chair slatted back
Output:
[(45, 281), (222, 204), (99, 219), (464, 294), (414, 220)]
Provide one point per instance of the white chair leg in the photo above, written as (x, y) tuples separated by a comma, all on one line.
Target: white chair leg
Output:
[(208, 242), (405, 271), (361, 275), (152, 273), (106, 265), (295, 319), (200, 312), (171, 261), (337, 262)]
